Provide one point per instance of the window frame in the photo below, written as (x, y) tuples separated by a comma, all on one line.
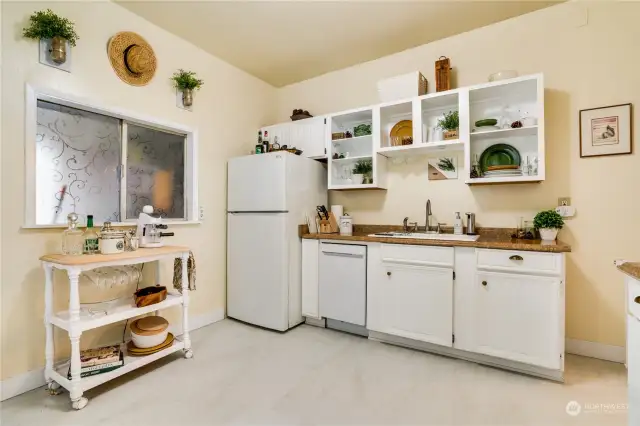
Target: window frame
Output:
[(33, 94)]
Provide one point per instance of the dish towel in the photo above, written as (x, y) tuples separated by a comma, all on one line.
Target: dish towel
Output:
[(191, 273)]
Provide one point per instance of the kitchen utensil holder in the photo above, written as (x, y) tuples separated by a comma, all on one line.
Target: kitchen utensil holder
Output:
[(328, 226)]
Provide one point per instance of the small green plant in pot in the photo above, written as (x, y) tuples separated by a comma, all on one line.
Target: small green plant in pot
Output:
[(548, 222), (362, 172), (449, 123), (186, 82), (46, 25)]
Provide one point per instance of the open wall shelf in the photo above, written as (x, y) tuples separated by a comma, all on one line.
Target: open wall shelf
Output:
[(505, 101)]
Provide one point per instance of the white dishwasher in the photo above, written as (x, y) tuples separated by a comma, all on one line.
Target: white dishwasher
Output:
[(343, 282)]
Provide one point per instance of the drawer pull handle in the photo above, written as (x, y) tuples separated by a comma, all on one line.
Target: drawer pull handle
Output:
[(388, 274), (484, 283), (637, 300), (515, 257)]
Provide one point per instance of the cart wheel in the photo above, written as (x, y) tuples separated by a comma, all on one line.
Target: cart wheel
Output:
[(188, 354), (54, 388), (79, 403)]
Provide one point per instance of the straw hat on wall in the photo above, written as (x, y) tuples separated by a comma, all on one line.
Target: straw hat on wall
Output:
[(132, 58)]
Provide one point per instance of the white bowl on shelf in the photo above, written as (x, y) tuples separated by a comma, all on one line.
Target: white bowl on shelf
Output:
[(148, 332), (503, 75)]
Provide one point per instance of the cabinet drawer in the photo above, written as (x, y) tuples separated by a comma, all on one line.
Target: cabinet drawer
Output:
[(633, 297), (520, 261), (418, 255)]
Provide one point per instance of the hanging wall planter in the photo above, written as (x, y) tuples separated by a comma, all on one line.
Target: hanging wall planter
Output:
[(185, 83), (56, 36)]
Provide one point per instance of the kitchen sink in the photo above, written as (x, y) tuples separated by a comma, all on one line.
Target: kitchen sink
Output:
[(423, 236)]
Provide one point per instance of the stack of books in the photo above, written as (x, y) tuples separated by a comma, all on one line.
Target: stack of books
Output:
[(99, 360)]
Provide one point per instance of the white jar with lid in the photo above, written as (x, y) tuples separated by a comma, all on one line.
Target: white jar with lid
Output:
[(346, 225), (111, 240)]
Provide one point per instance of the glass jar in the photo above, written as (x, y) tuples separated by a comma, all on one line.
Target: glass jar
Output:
[(72, 237), (111, 240)]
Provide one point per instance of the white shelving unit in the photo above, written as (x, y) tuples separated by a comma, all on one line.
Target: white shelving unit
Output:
[(75, 321), (505, 100), (357, 148)]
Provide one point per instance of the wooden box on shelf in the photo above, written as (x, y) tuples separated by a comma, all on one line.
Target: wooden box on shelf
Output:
[(450, 134), (443, 74)]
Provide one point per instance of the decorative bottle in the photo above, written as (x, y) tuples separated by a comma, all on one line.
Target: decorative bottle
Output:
[(90, 237), (72, 239)]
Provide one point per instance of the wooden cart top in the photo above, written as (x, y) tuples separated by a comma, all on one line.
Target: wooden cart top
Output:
[(127, 256)]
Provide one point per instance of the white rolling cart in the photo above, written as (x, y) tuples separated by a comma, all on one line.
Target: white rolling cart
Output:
[(75, 321)]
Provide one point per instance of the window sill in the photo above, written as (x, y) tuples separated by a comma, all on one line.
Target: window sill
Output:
[(115, 224)]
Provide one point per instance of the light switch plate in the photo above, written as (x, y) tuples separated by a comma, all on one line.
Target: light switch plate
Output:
[(201, 213)]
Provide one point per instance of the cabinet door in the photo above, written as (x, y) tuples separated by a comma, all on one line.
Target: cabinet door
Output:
[(633, 364), (518, 317), (309, 136), (415, 302), (280, 133), (310, 290)]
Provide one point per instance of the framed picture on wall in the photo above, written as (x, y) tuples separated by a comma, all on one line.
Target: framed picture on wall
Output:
[(606, 131)]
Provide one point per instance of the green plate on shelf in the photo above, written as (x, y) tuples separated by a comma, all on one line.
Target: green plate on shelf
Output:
[(499, 154)]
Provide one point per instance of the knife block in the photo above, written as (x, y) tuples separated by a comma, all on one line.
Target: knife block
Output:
[(328, 226)]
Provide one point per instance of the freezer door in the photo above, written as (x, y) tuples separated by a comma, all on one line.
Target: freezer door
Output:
[(256, 183), (257, 269)]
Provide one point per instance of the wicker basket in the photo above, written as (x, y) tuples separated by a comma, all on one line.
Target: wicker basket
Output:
[(150, 295)]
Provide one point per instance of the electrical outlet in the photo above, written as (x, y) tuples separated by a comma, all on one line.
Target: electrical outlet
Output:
[(564, 201), (201, 213)]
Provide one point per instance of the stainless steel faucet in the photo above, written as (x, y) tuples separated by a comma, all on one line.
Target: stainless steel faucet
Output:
[(427, 224)]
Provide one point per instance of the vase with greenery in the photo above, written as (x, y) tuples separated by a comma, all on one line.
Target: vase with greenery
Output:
[(449, 123), (186, 82), (548, 222), (46, 25), (362, 172)]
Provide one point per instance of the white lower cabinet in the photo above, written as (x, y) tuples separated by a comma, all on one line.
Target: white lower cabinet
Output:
[(501, 304), (517, 317), (310, 288), (411, 300), (633, 365)]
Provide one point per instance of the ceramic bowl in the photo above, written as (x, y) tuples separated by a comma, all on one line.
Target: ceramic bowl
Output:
[(148, 338), (503, 75)]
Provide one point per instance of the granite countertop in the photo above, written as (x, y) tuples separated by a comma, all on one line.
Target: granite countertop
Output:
[(490, 238), (631, 268)]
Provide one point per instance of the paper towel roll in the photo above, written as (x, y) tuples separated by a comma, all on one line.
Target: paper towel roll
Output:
[(337, 211)]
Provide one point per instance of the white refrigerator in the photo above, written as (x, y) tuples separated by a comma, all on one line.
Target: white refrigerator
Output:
[(268, 196)]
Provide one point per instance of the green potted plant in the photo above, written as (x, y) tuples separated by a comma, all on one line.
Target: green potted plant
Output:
[(186, 82), (55, 30), (362, 172), (449, 123), (548, 222)]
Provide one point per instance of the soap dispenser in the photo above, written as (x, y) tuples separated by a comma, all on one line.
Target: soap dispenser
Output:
[(457, 224)]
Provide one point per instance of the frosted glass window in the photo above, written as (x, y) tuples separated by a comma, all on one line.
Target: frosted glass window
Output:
[(80, 152), (91, 163), (155, 172)]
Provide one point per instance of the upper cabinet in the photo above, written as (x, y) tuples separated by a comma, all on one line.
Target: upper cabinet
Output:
[(308, 135), (352, 159), (500, 130), (512, 150)]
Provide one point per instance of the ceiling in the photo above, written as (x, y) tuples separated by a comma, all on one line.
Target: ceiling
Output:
[(286, 42)]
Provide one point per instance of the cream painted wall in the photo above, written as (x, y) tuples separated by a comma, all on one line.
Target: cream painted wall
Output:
[(227, 111), (586, 54)]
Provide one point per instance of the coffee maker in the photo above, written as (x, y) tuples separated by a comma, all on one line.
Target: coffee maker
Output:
[(149, 228)]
